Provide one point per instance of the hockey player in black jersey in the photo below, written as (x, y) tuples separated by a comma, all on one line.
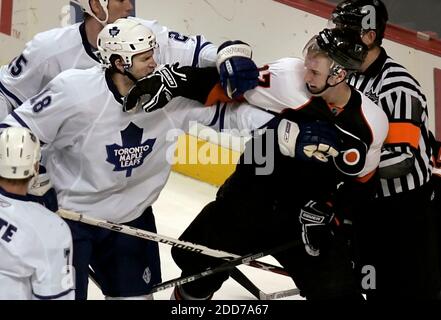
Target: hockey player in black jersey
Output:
[(299, 199)]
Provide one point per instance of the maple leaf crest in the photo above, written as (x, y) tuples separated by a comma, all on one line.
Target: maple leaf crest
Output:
[(132, 153)]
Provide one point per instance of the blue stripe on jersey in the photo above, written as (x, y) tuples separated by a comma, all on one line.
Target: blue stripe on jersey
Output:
[(10, 94), (197, 51), (4, 126), (204, 45), (222, 118), (52, 297), (23, 124), (19, 120), (216, 116)]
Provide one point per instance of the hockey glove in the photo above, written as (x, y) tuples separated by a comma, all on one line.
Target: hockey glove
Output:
[(41, 190), (156, 90), (238, 72), (316, 140), (315, 218)]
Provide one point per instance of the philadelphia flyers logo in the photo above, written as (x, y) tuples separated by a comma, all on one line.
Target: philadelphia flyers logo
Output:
[(351, 157), (353, 151)]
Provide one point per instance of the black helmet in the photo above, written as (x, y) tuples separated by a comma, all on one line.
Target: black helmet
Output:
[(344, 46), (357, 15)]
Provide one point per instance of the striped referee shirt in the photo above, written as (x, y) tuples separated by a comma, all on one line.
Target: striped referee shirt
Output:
[(406, 155)]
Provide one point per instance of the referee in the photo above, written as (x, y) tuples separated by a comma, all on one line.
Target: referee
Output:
[(396, 233)]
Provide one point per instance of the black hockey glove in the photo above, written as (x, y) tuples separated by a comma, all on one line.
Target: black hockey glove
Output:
[(238, 72), (315, 218), (156, 90), (316, 140)]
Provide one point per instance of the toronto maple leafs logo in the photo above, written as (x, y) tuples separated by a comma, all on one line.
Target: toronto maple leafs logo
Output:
[(133, 151), (114, 31)]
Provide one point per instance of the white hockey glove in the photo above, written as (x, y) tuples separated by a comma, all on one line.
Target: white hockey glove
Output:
[(238, 72), (41, 190), (315, 218), (316, 140), (154, 91)]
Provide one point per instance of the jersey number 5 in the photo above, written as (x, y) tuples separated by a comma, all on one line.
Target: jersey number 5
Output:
[(16, 66)]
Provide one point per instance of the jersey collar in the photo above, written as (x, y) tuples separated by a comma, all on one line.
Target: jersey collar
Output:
[(113, 88), (375, 68), (89, 49), (354, 100), (14, 196)]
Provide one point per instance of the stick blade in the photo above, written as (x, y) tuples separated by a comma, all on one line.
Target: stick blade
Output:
[(69, 215)]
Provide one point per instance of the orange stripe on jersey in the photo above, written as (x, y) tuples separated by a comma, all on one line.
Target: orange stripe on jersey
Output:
[(403, 133), (367, 177), (217, 94)]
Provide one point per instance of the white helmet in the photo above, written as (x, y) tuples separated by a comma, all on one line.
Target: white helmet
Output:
[(19, 153), (85, 5), (125, 38)]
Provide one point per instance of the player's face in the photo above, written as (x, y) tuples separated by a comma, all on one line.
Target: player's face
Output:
[(317, 72), (143, 64), (119, 9)]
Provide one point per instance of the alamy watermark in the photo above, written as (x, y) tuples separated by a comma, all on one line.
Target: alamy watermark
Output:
[(369, 21), (369, 278), (260, 152)]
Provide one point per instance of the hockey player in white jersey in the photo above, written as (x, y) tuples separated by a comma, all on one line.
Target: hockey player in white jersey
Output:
[(74, 47), (109, 164), (35, 244)]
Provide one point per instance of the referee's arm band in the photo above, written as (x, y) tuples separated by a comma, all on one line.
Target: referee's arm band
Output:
[(403, 133)]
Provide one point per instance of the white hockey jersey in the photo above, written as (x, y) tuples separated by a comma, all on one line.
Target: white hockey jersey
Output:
[(282, 86), (35, 250), (52, 52), (104, 162)]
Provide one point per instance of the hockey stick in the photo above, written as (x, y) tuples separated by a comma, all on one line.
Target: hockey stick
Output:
[(92, 277), (243, 280), (74, 216), (246, 259)]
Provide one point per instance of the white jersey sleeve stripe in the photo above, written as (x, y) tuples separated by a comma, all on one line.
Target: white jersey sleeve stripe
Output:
[(19, 120), (21, 123), (216, 116), (9, 94), (222, 118), (197, 51)]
